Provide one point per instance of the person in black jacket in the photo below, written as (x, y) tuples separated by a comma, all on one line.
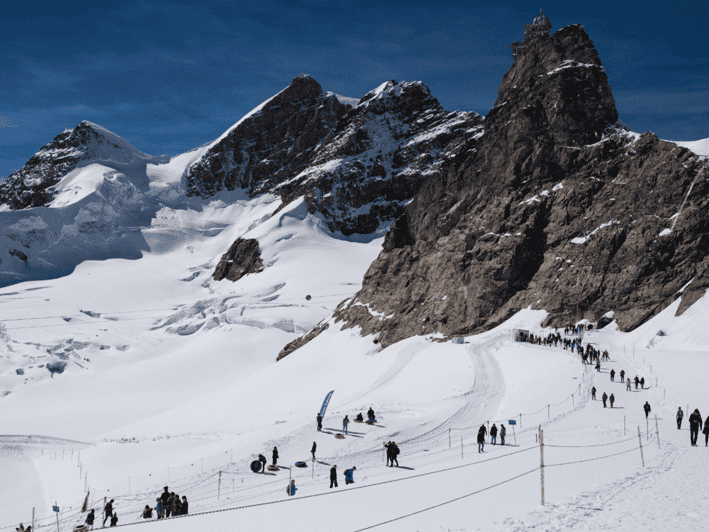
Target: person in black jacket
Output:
[(108, 511), (275, 455), (394, 454), (262, 459), (605, 398), (185, 505), (315, 446), (493, 434), (680, 416), (646, 407), (90, 519), (147, 512), (706, 432), (165, 496), (612, 400), (333, 476), (319, 422), (593, 393), (695, 423), (114, 519)]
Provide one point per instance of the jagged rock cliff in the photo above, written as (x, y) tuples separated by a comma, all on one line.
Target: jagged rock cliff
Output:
[(243, 258), (553, 207), (357, 165)]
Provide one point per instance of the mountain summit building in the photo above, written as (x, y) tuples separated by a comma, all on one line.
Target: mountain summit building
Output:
[(539, 27)]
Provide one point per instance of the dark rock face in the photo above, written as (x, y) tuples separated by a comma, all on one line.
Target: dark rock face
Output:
[(300, 342), (32, 185), (358, 166), (270, 146), (243, 258), (553, 207)]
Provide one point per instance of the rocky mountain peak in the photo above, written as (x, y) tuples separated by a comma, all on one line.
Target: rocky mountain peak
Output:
[(87, 143), (558, 85)]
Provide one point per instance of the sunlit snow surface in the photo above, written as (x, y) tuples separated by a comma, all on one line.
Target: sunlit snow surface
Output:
[(168, 377)]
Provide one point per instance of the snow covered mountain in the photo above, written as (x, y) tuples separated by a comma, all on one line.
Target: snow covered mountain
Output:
[(89, 195)]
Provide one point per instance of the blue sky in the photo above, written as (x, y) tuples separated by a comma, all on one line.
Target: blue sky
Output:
[(170, 76)]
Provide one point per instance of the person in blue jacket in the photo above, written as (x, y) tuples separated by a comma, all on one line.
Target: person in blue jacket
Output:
[(349, 475), (291, 489)]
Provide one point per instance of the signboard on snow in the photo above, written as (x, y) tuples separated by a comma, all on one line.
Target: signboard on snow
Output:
[(512, 422), (55, 508), (325, 403)]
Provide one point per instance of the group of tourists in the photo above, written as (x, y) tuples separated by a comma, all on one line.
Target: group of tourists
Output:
[(482, 432), (695, 425)]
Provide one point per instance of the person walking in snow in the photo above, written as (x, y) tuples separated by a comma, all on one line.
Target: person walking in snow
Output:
[(319, 418), (646, 407), (612, 375), (160, 508), (291, 489), (345, 422), (637, 381), (483, 429), (114, 519), (394, 454), (680, 416), (314, 448), (387, 446), (622, 375), (262, 459), (333, 476), (370, 416), (503, 431), (627, 388), (493, 434), (349, 475), (706, 432), (598, 366), (612, 400), (642, 382), (90, 519), (604, 397), (695, 423), (275, 455), (481, 439), (107, 511), (593, 393)]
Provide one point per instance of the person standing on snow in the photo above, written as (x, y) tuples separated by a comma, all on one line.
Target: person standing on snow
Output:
[(262, 459), (349, 475), (612, 400), (90, 519), (185, 505), (291, 489), (333, 476), (637, 381), (394, 454), (612, 375), (680, 416), (493, 434), (388, 447), (706, 432), (604, 397), (275, 455), (315, 446), (695, 423), (107, 512), (345, 422), (622, 375), (627, 388), (593, 393), (642, 382), (319, 418), (481, 439), (646, 407), (370, 416), (503, 431), (114, 519)]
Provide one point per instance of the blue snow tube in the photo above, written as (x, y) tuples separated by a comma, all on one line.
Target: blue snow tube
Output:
[(301, 464), (255, 466)]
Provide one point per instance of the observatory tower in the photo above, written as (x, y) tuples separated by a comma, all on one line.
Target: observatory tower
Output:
[(539, 27)]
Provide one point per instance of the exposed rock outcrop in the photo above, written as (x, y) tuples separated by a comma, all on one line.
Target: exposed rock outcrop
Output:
[(243, 258), (553, 207)]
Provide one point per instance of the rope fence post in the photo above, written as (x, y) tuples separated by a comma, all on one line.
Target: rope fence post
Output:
[(548, 412), (641, 447), (624, 433), (219, 486), (461, 447), (520, 422), (647, 428), (449, 439), (657, 432), (541, 460)]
